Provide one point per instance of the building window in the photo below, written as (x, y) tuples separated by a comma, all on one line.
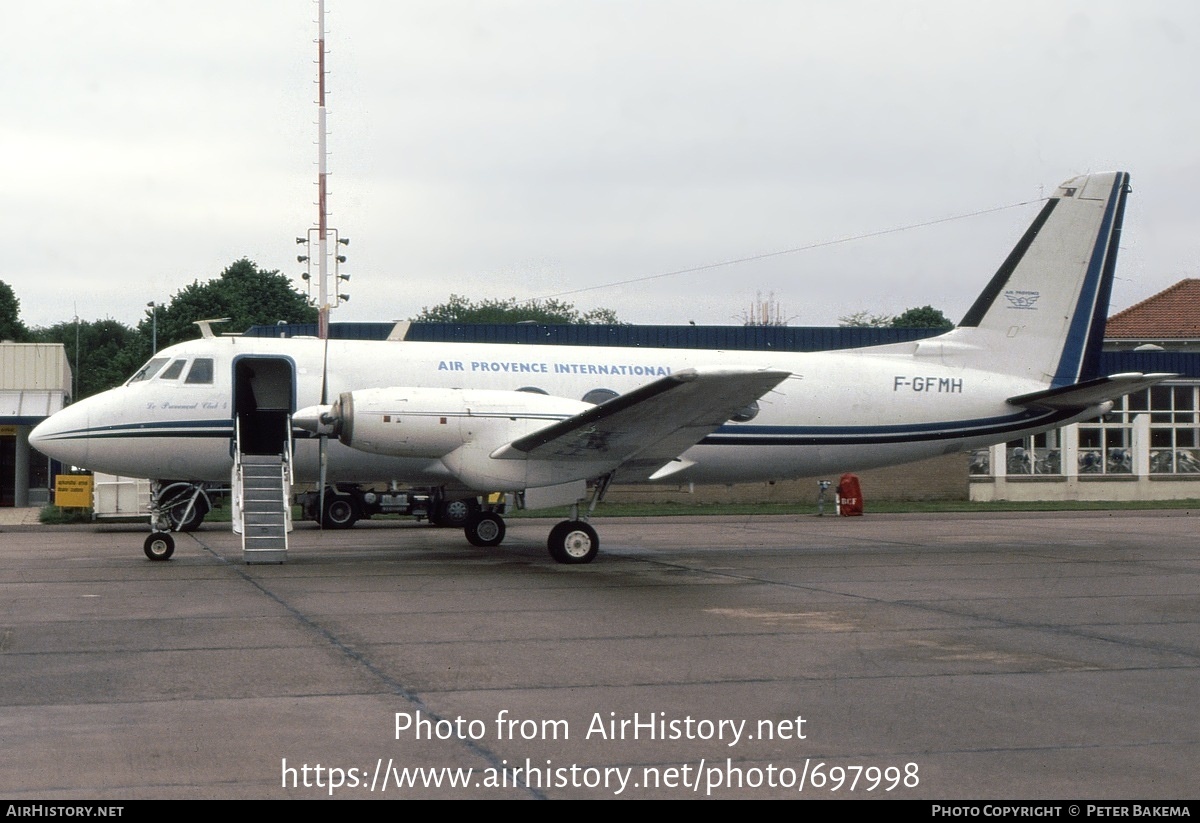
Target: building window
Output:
[(1165, 420), (1106, 442), (1174, 428), (981, 462), (1038, 454)]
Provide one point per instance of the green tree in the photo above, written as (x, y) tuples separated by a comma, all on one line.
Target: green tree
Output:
[(11, 327), (108, 352), (925, 317), (459, 309), (861, 319), (244, 293)]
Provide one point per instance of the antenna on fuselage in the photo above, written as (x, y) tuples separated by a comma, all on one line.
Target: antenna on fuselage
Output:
[(206, 331)]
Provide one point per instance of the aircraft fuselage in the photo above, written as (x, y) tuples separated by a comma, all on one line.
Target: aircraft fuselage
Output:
[(838, 411)]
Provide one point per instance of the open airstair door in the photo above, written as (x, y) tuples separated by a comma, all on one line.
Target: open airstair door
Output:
[(264, 392)]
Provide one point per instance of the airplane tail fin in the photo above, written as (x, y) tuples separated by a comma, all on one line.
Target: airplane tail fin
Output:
[(1042, 315)]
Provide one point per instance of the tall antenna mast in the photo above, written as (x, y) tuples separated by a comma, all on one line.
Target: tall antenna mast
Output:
[(322, 203), (322, 235)]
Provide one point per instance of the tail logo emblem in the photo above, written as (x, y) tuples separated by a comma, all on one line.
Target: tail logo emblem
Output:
[(1022, 299)]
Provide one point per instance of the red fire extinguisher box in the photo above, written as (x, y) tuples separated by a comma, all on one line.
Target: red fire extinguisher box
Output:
[(849, 494)]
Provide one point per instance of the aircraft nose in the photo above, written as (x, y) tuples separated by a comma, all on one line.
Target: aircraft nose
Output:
[(63, 436)]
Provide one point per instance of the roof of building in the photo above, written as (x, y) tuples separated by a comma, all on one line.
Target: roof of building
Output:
[(1172, 314)]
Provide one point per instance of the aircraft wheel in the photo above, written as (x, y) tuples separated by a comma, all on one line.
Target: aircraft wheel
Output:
[(159, 546), (177, 512), (484, 529), (573, 541), (340, 512), (455, 513)]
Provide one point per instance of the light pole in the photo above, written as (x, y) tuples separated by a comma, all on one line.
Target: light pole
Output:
[(75, 388), (153, 327)]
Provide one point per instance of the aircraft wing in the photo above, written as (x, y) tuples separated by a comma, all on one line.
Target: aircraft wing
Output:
[(1089, 392), (651, 425)]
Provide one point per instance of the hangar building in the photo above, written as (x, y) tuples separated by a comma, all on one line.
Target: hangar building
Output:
[(35, 382), (1146, 448)]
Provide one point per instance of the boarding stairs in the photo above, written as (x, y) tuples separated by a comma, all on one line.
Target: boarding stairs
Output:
[(262, 498)]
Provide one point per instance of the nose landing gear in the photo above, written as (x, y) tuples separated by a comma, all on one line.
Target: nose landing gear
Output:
[(159, 546)]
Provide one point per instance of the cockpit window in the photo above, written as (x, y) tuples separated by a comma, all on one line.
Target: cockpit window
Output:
[(202, 371), (173, 371), (149, 370)]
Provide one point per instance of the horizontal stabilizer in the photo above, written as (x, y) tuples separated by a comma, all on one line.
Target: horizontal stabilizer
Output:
[(1090, 392), (654, 423)]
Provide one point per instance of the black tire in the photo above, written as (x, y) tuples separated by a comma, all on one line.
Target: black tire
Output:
[(452, 513), (175, 498), (484, 529), (340, 512), (573, 542), (456, 513), (159, 546), (179, 511)]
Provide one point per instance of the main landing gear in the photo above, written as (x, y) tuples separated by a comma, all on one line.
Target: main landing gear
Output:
[(185, 505), (340, 511), (572, 541), (452, 513), (484, 529)]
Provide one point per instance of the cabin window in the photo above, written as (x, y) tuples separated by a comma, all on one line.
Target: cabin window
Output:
[(149, 370), (746, 413), (598, 396), (173, 371), (202, 371)]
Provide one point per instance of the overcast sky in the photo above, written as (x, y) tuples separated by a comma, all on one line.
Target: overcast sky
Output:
[(522, 149)]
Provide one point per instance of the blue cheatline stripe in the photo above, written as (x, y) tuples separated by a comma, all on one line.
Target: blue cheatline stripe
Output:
[(513, 415), (728, 435), (177, 428), (142, 435), (1087, 325), (869, 435)]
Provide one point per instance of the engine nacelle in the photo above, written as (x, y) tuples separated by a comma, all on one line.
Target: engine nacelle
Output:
[(460, 427), (420, 422)]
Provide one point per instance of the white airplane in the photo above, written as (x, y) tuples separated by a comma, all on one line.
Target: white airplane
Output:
[(466, 419)]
